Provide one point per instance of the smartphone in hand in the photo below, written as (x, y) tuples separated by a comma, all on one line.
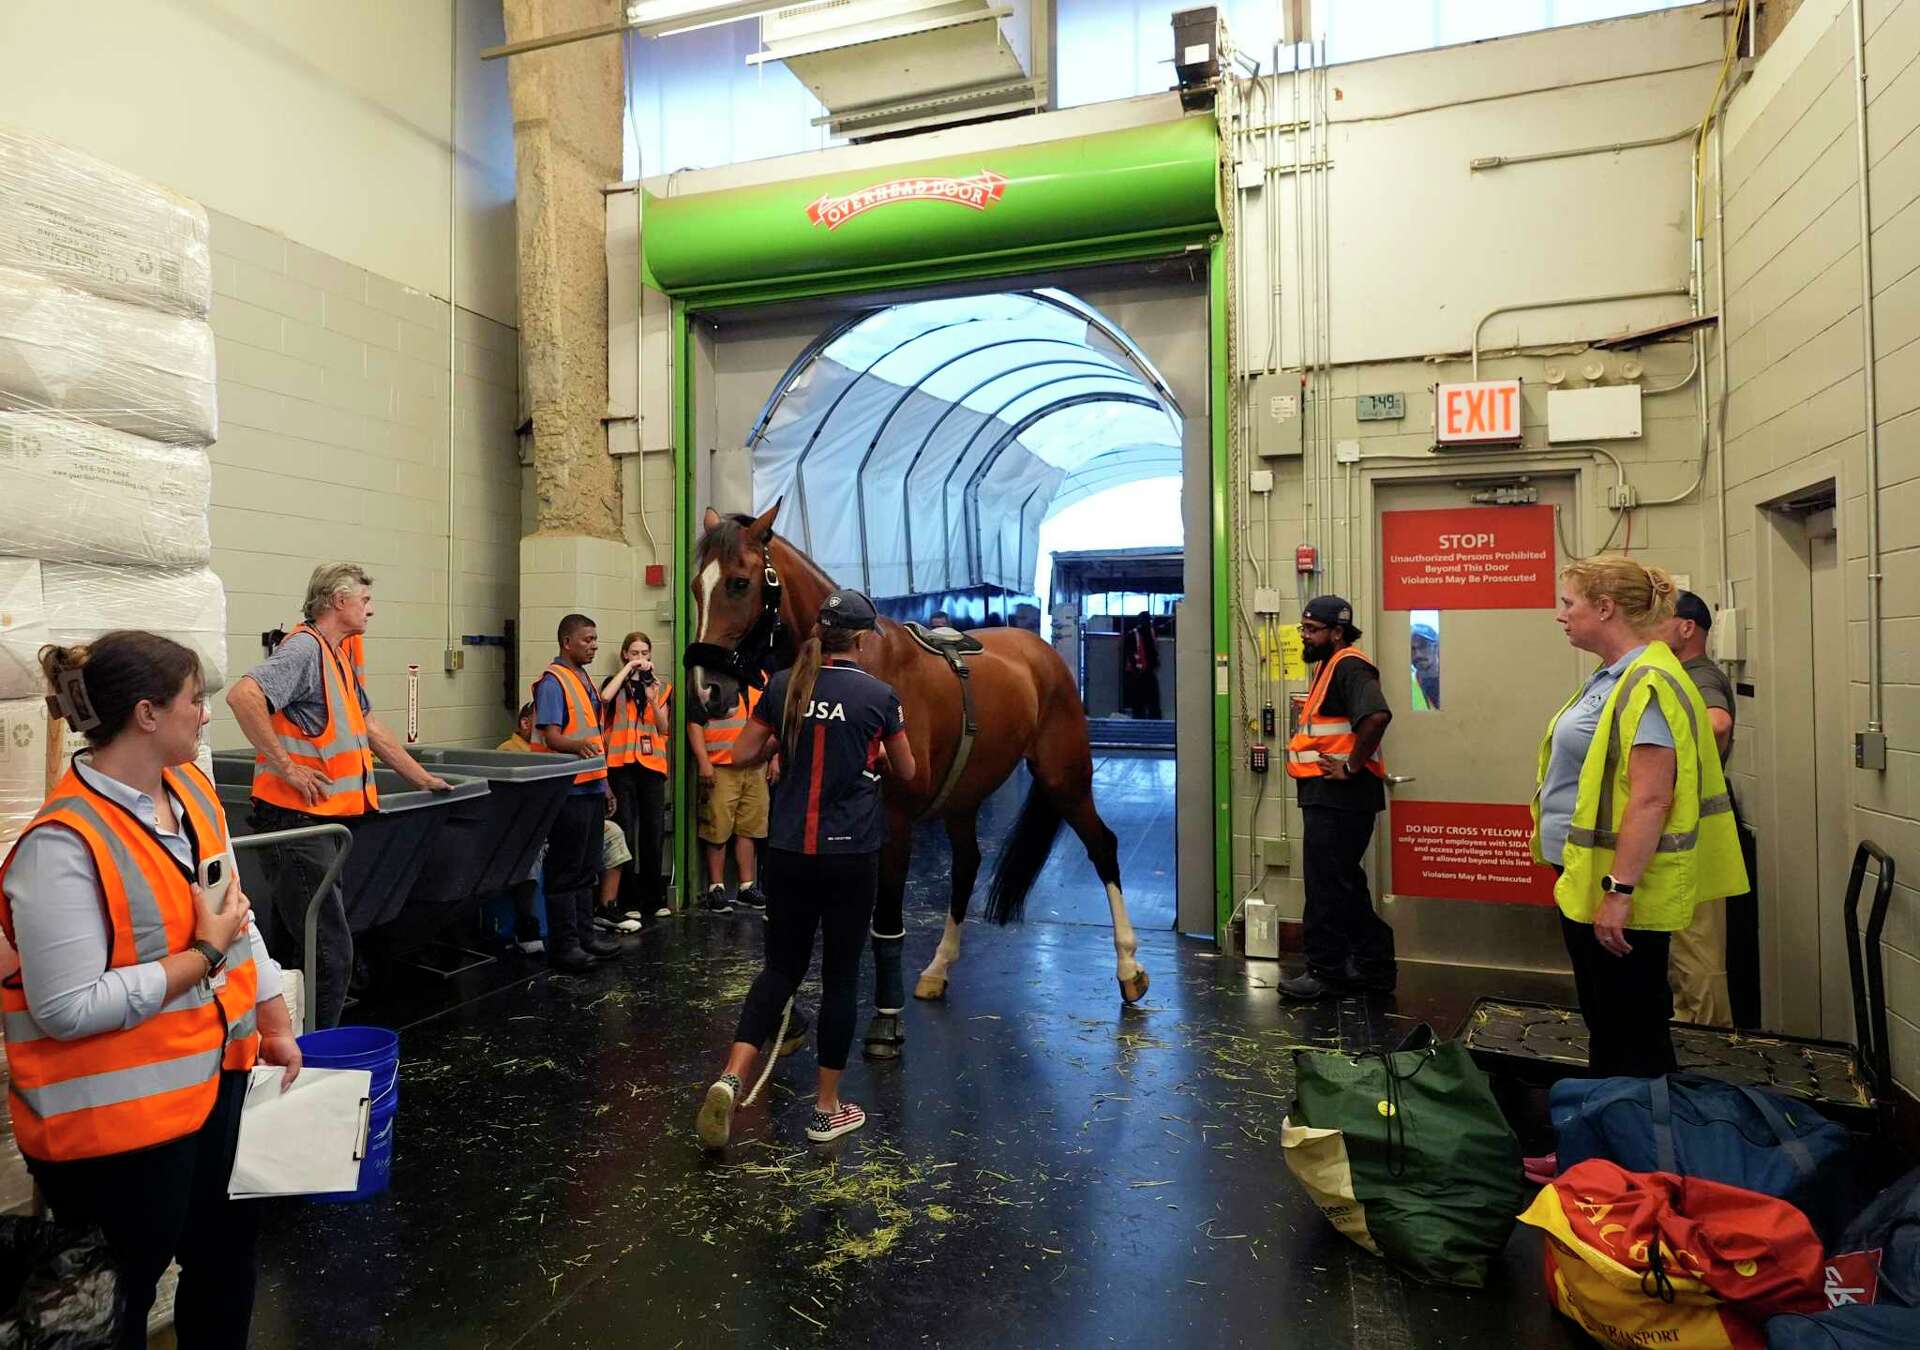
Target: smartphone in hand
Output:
[(216, 874)]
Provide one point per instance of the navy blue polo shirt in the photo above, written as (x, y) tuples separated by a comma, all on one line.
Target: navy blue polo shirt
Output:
[(828, 796)]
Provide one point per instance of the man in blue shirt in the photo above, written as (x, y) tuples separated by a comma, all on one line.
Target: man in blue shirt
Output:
[(566, 718)]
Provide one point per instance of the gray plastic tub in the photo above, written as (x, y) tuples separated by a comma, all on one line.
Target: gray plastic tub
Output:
[(390, 847), (490, 842)]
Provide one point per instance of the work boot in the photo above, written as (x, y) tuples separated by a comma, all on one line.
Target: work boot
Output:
[(573, 962), (1306, 987)]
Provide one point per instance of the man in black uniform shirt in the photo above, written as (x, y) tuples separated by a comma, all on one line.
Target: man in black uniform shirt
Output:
[(1334, 758)]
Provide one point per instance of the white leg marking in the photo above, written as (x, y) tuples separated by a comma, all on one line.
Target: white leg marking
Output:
[(945, 954), (1125, 944)]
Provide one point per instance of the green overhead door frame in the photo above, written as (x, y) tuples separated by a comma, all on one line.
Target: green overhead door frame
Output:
[(1125, 196)]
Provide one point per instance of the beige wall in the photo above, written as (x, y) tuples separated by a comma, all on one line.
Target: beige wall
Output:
[(1796, 415), (327, 123), (334, 444)]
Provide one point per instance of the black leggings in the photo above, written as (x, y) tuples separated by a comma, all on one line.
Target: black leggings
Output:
[(834, 893), (642, 814)]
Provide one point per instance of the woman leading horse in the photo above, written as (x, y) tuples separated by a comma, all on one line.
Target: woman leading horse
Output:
[(750, 585)]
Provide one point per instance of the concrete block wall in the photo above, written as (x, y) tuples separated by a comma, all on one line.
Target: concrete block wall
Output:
[(1796, 413), (563, 574), (334, 444)]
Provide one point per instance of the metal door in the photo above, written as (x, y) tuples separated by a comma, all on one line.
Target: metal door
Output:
[(1497, 676)]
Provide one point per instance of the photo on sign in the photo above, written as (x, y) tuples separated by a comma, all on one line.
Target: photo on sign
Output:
[(1424, 631)]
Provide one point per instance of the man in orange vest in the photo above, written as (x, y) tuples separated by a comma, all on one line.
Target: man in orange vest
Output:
[(1340, 777), (567, 720), (305, 710)]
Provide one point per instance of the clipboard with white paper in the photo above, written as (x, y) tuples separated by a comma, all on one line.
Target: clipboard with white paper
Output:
[(308, 1140)]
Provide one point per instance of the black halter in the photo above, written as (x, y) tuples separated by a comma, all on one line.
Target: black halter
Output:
[(746, 660)]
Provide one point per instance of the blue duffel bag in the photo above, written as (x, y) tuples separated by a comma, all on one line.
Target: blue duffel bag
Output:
[(1857, 1327), (1697, 1126), (1891, 1226)]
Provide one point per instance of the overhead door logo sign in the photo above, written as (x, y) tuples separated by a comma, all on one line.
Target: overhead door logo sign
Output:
[(978, 193)]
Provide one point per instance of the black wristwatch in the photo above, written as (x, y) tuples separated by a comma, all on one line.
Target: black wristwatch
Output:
[(215, 958), (1612, 887)]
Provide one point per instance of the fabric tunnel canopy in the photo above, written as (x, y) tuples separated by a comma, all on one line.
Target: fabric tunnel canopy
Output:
[(919, 447)]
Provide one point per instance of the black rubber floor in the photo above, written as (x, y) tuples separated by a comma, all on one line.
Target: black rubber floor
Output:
[(1041, 1169)]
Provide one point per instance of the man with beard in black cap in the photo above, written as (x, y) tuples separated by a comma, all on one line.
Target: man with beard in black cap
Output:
[(1334, 759)]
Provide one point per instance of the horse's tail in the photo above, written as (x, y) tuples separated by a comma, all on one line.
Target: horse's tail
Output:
[(1022, 857)]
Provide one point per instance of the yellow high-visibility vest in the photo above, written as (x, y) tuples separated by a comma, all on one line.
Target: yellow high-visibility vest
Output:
[(1698, 855)]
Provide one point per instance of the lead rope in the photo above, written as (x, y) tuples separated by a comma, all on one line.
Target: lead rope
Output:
[(773, 1056)]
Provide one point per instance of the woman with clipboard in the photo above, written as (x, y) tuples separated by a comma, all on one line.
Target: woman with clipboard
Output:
[(145, 994)]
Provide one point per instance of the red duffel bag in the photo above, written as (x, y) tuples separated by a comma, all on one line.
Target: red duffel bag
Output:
[(1642, 1259)]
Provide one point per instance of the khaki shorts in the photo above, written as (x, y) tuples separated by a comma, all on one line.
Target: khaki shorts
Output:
[(736, 806), (614, 852)]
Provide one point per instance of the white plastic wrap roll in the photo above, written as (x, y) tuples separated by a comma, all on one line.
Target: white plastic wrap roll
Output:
[(136, 370), (23, 628), (188, 605), (75, 492), (89, 225), (23, 765)]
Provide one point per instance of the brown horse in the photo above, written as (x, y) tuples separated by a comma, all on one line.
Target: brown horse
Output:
[(749, 583)]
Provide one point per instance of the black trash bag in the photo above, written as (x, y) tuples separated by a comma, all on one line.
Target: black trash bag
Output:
[(59, 1289)]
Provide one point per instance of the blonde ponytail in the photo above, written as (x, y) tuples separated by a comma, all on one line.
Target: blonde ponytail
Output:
[(800, 682), (1644, 595)]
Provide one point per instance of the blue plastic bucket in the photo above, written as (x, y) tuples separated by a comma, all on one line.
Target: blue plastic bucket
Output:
[(378, 1051)]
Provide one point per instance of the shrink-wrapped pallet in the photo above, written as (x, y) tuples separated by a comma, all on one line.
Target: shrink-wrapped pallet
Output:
[(23, 765), (23, 628), (84, 600), (136, 370), (75, 492), (89, 225)]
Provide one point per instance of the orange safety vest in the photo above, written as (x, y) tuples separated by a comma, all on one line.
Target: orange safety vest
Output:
[(633, 737), (341, 751), (583, 723), (117, 1091), (722, 733), (1319, 739)]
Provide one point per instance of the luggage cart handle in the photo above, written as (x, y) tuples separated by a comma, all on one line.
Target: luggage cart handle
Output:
[(344, 837), (1865, 967)]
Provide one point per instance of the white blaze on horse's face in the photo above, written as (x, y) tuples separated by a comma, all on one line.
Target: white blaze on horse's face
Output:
[(709, 578)]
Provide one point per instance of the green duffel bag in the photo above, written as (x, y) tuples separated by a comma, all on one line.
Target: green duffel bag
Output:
[(1407, 1153)]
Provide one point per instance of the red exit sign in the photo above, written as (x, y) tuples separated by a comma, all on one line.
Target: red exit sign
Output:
[(1487, 411)]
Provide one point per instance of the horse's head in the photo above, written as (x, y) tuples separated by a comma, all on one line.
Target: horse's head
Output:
[(736, 610)]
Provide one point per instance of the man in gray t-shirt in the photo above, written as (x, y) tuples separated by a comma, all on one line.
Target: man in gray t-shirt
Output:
[(1697, 958)]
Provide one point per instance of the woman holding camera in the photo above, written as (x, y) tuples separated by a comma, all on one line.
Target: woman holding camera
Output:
[(145, 994), (639, 729)]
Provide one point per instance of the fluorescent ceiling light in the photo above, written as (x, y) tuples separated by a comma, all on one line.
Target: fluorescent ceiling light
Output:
[(664, 18)]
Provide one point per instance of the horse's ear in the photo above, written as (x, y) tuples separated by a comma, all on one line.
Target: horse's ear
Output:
[(762, 527), (711, 519)]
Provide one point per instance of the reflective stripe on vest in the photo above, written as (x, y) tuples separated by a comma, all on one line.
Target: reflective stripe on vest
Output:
[(341, 751), (1697, 854), (135, 1087), (1321, 740), (583, 722), (721, 733)]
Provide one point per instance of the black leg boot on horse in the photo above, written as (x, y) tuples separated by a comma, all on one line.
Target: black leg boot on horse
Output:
[(886, 1034)]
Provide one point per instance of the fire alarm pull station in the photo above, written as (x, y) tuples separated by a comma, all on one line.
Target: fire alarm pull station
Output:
[(1306, 559), (1257, 757)]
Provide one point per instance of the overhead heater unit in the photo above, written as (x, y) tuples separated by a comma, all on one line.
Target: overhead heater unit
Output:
[(882, 67)]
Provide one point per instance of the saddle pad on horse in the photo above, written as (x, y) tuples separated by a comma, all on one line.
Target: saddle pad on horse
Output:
[(949, 644), (952, 647)]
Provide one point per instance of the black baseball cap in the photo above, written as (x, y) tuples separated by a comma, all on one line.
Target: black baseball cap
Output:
[(1328, 609), (848, 608), (1691, 606)]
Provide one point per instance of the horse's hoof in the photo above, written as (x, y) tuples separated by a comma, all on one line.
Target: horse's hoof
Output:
[(1132, 991), (884, 1037), (931, 987)]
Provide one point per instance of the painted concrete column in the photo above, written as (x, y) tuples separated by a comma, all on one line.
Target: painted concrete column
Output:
[(568, 103)]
